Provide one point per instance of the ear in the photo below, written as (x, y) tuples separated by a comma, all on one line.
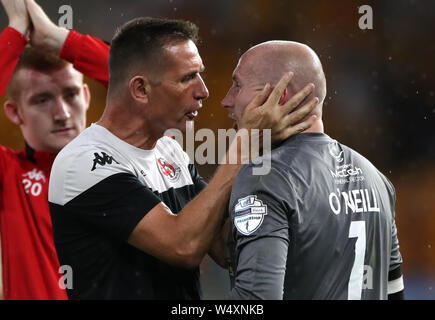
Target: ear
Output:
[(12, 112), (87, 95), (139, 88), (284, 98)]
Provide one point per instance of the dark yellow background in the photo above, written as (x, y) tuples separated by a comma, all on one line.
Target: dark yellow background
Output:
[(380, 91)]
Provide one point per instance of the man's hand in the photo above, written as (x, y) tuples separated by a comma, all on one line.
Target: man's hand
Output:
[(45, 33), (265, 112), (17, 14)]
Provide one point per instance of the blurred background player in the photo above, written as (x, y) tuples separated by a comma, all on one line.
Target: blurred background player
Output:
[(48, 100), (321, 224)]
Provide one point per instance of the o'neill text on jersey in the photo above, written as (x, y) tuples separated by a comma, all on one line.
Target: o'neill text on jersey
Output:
[(358, 200)]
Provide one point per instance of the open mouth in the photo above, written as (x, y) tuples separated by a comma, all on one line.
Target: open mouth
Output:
[(231, 115), (192, 115)]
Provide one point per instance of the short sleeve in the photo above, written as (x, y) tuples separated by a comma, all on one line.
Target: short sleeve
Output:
[(198, 181), (395, 256), (115, 205), (260, 204)]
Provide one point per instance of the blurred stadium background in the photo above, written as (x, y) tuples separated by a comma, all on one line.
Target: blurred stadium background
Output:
[(381, 87)]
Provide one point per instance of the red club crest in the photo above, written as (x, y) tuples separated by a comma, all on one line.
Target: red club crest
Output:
[(172, 172)]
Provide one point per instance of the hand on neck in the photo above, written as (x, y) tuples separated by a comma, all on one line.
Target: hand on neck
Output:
[(316, 127)]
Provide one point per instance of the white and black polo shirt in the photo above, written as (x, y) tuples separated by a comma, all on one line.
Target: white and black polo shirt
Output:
[(100, 188)]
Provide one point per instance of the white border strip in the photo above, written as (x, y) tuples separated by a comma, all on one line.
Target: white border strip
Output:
[(395, 285)]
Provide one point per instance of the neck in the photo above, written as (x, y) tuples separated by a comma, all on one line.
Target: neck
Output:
[(133, 129), (316, 127)]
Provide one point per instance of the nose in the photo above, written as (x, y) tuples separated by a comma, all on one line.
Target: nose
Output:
[(61, 110), (228, 101), (201, 92)]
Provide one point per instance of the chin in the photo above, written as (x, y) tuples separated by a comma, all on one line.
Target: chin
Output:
[(183, 127), (57, 148)]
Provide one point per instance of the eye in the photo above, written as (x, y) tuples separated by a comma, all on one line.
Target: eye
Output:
[(71, 95), (189, 77), (41, 100)]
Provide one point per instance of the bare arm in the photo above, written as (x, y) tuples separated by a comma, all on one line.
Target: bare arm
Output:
[(185, 238), (17, 15), (89, 55), (219, 251), (45, 33)]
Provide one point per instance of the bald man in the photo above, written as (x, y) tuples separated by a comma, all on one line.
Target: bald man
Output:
[(321, 223)]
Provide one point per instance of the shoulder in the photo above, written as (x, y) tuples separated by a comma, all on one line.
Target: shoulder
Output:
[(275, 185), (7, 155), (169, 147), (266, 170), (6, 151), (389, 186), (371, 169), (83, 163), (260, 204)]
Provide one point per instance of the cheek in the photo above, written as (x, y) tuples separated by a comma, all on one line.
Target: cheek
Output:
[(78, 110), (242, 101), (186, 95), (172, 99), (37, 117), (37, 125)]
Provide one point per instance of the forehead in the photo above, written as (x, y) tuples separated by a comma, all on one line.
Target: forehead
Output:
[(245, 68), (31, 80), (185, 55)]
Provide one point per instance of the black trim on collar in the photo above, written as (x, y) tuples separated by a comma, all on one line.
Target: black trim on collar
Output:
[(30, 152)]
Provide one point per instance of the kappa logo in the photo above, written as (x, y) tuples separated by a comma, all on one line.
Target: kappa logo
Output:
[(335, 152), (172, 172), (102, 160), (250, 213)]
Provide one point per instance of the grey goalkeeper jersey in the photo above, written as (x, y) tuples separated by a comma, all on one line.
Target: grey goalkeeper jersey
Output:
[(319, 225)]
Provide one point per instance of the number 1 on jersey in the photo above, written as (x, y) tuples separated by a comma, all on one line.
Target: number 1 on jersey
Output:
[(357, 230)]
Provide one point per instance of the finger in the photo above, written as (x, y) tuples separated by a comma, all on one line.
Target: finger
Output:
[(300, 127), (297, 98), (30, 5), (36, 13), (301, 113), (261, 97), (278, 91)]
